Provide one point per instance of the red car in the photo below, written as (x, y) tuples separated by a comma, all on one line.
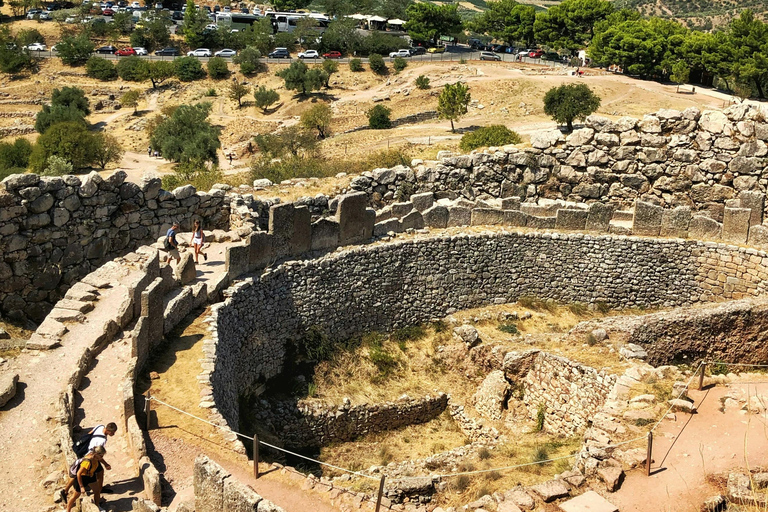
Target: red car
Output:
[(332, 55), (536, 54), (107, 12), (125, 52)]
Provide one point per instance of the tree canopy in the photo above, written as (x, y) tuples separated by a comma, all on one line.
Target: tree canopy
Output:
[(569, 102), (508, 21), (302, 79), (570, 25), (428, 21), (453, 101), (187, 135)]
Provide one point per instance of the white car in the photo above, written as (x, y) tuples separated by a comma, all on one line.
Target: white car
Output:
[(140, 51), (226, 53), (32, 13), (309, 54), (45, 15), (135, 5), (200, 52), (37, 47), (70, 19), (400, 53), (211, 26)]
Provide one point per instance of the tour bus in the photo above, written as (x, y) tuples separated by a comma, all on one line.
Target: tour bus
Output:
[(286, 21), (236, 20)]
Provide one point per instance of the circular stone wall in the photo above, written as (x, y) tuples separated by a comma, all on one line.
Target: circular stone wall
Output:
[(387, 286)]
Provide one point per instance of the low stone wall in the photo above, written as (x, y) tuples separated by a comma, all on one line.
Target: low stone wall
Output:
[(304, 424), (216, 490), (733, 332), (55, 230), (568, 393), (408, 282)]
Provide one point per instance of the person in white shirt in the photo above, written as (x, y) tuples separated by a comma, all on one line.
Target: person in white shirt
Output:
[(99, 435)]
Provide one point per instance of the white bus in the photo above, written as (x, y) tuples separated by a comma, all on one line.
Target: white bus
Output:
[(286, 21)]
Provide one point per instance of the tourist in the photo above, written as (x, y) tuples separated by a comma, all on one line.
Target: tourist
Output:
[(230, 159), (171, 245), (198, 241), (84, 473), (97, 436), (149, 150)]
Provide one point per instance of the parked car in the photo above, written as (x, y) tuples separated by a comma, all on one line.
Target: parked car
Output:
[(500, 48), (168, 52), (211, 27), (489, 56), (135, 5), (280, 53), (245, 10), (125, 52), (140, 50), (552, 56), (400, 53), (45, 16), (418, 50), (226, 53), (107, 12), (70, 19), (37, 47), (332, 55), (109, 49), (309, 54), (200, 52), (33, 12), (536, 54), (436, 49)]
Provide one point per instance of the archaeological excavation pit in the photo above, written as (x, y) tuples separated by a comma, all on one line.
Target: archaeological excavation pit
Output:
[(371, 320)]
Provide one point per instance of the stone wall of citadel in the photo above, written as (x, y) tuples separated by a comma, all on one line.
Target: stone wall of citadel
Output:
[(55, 230), (671, 158), (387, 286)]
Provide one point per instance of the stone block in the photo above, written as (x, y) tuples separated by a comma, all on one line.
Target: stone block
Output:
[(568, 219), (370, 221), (758, 235), (208, 481), (423, 202), (755, 201), (550, 490), (704, 228), (400, 210), (325, 234), (152, 309), (510, 203), (647, 219), (413, 220), (599, 217), (236, 260), (239, 497), (436, 216), (590, 501), (487, 216), (353, 219), (142, 505), (459, 216), (490, 399), (736, 224), (185, 271), (675, 222), (387, 226), (281, 222), (151, 477), (8, 383), (515, 218), (536, 222), (301, 241), (612, 476), (260, 250)]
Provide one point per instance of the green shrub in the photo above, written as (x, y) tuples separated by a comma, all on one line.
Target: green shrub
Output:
[(602, 306), (249, 62), (541, 415), (75, 51), (211, 92), (100, 69), (461, 483), (189, 69), (643, 422), (265, 98), (133, 69), (591, 340), (356, 65), (217, 68), (200, 176), (422, 82), (399, 64), (377, 64), (484, 453), (412, 333), (378, 117), (540, 454), (57, 166), (578, 308), (15, 155), (487, 136), (509, 328)]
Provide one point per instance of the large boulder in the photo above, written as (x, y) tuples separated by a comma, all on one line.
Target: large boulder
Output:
[(467, 334), (7, 387)]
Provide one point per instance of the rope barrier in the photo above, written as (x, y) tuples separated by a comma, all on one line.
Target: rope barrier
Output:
[(153, 399), (685, 389), (738, 364)]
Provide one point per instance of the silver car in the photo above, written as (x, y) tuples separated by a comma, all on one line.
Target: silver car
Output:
[(200, 52), (226, 53)]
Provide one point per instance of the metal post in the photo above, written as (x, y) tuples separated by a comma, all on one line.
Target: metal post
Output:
[(649, 454), (381, 493), (255, 456), (701, 375), (148, 409)]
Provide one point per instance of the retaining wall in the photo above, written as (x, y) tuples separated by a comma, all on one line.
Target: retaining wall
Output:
[(303, 424), (389, 286)]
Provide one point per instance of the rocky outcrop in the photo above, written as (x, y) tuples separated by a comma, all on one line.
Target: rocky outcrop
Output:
[(7, 387)]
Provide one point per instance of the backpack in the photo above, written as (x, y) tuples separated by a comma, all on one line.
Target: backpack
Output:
[(81, 445), (167, 244), (75, 467)]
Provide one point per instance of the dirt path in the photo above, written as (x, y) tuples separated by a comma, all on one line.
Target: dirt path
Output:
[(100, 397), (24, 421), (692, 448)]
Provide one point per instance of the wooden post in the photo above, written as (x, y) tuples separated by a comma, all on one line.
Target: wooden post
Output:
[(381, 493), (255, 456), (649, 454), (701, 375), (148, 409)]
